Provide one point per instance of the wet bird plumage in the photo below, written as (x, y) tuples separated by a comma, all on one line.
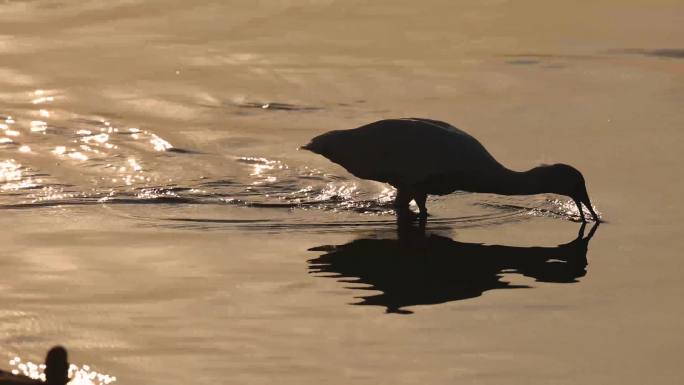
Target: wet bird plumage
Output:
[(423, 156)]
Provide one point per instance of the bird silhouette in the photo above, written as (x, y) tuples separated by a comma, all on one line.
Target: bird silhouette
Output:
[(56, 371), (420, 269), (423, 156)]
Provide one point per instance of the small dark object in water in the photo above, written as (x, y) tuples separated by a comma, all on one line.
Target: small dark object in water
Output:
[(56, 371)]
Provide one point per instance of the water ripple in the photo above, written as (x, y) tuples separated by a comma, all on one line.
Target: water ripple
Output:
[(52, 158), (273, 184)]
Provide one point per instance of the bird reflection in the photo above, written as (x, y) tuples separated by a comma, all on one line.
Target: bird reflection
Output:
[(425, 269)]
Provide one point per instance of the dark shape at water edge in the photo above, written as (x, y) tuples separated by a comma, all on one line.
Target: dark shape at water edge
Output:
[(670, 53), (56, 370), (523, 62), (183, 151), (420, 269)]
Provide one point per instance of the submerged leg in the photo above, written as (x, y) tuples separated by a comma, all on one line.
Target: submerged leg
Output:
[(580, 235), (420, 199), (401, 202), (581, 210)]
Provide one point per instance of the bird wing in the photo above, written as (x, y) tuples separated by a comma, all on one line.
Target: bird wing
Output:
[(404, 152)]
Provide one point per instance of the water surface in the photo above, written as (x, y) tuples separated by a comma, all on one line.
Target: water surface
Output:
[(160, 222)]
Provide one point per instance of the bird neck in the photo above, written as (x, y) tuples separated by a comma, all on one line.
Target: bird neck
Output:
[(510, 182)]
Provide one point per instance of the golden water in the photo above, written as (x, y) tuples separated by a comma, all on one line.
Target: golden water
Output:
[(159, 221)]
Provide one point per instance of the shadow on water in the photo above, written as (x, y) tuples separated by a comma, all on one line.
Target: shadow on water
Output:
[(668, 53), (426, 269)]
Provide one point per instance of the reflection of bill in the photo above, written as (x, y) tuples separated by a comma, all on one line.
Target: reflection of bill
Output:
[(420, 269)]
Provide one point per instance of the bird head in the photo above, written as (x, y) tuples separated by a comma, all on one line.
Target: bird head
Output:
[(566, 180), (56, 366)]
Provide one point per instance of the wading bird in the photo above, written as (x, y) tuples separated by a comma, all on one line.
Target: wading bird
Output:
[(423, 156)]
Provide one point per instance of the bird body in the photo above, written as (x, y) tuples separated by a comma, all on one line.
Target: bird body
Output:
[(423, 156), (408, 152)]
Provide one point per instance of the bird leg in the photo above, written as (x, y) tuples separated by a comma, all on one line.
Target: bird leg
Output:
[(401, 202), (420, 199), (581, 210)]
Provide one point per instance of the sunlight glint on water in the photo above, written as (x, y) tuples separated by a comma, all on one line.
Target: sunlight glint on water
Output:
[(566, 208), (12, 177), (113, 164), (82, 375)]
